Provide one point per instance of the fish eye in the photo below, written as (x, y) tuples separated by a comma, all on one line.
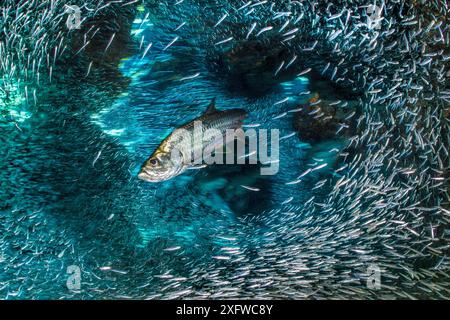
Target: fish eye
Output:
[(153, 162)]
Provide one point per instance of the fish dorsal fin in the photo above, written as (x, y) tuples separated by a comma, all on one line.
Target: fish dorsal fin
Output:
[(211, 107)]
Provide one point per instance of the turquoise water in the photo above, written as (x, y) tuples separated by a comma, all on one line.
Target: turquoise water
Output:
[(70, 195)]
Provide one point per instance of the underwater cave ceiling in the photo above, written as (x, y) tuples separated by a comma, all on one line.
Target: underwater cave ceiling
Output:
[(362, 105)]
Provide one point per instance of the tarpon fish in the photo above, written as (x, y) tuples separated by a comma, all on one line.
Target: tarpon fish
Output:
[(174, 156)]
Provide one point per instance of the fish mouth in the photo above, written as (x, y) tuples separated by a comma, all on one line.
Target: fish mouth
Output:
[(146, 176)]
